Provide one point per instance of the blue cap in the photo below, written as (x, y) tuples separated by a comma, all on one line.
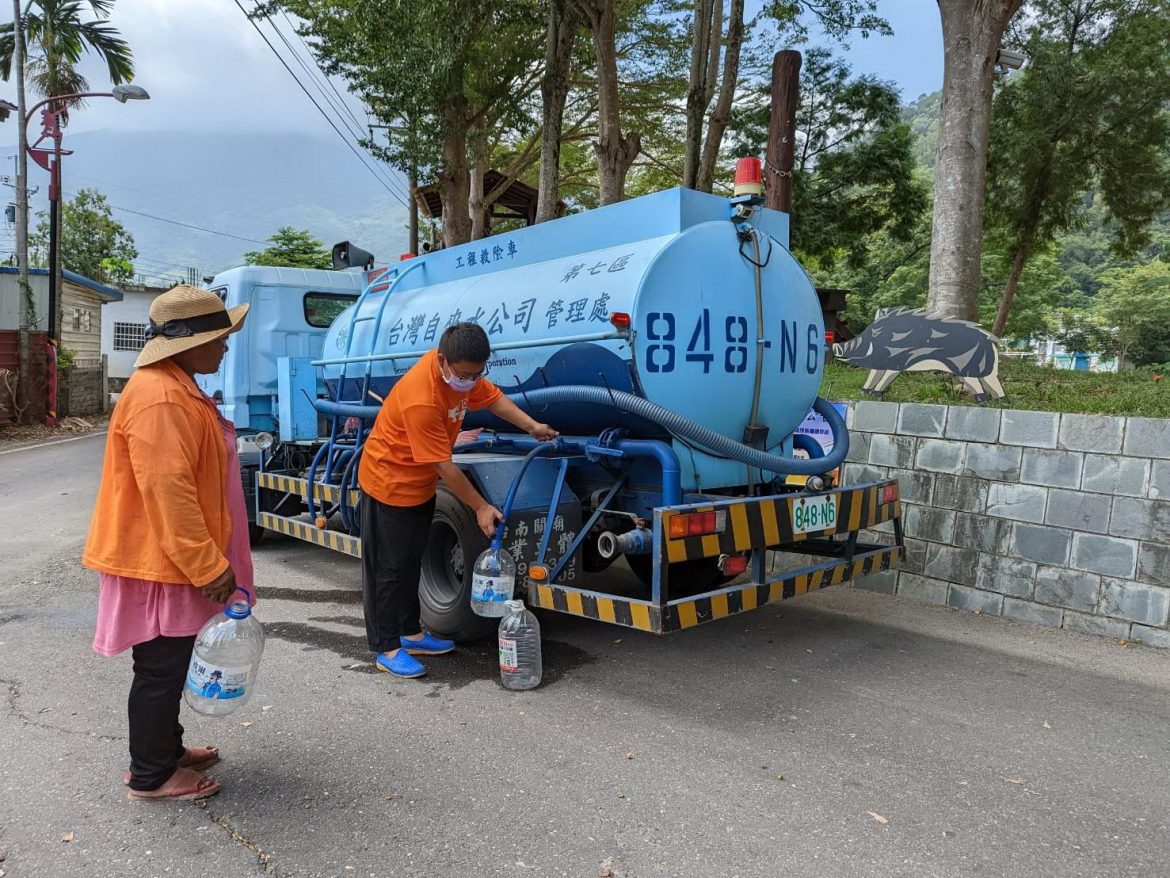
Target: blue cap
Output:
[(237, 610)]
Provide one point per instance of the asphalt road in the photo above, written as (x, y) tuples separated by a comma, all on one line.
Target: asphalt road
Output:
[(842, 734)]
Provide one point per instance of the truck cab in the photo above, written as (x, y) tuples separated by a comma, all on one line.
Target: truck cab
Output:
[(290, 311)]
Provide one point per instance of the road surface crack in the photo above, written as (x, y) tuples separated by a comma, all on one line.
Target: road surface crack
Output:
[(264, 860), (15, 712)]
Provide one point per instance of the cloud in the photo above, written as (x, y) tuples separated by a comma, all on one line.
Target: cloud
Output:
[(206, 68)]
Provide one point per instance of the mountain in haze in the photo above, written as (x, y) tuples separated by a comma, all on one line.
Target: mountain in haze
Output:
[(243, 185)]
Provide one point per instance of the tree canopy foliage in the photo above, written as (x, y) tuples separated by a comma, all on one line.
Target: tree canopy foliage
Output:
[(292, 248), (92, 242)]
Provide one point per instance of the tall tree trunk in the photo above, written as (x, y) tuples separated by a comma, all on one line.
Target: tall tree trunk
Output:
[(721, 115), (971, 33), (615, 152), (701, 43), (477, 207), (563, 24), (454, 180), (1019, 260)]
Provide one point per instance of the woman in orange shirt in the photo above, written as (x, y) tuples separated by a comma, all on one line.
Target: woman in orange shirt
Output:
[(169, 534), (407, 452)]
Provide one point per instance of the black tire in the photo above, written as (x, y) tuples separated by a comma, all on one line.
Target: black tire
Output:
[(686, 577), (255, 535), (444, 590), (591, 559)]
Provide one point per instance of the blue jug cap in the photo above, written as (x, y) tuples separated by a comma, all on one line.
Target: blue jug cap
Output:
[(239, 609)]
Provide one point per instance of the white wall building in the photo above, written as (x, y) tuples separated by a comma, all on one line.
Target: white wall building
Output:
[(124, 331)]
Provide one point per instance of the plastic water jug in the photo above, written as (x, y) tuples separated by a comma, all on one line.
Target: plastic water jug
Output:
[(493, 582), (520, 664), (226, 658)]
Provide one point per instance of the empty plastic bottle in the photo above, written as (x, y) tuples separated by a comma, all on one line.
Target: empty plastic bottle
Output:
[(520, 664), (224, 663), (493, 581)]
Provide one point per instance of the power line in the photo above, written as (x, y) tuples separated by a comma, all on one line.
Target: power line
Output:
[(163, 219), (315, 78), (324, 75), (314, 74), (167, 198), (332, 125)]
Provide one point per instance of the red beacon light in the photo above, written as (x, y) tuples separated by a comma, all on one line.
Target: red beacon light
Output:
[(748, 177), (620, 320)]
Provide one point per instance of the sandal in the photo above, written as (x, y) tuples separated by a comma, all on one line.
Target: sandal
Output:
[(197, 758), (185, 783)]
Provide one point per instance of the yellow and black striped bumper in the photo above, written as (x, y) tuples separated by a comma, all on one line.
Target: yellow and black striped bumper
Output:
[(689, 612), (322, 493), (761, 522), (303, 530)]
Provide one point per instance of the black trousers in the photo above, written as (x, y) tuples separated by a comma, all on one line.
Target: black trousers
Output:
[(156, 738), (393, 541)]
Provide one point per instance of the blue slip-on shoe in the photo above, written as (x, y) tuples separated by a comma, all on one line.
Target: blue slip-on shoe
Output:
[(429, 645), (401, 665)]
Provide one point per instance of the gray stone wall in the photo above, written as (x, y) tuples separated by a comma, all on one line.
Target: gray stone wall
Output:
[(81, 393), (1058, 519)]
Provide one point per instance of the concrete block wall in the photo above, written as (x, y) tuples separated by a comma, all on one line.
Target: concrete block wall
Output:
[(82, 392), (1058, 519)]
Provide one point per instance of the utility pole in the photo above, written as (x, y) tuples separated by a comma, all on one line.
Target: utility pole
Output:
[(413, 240), (782, 130), (27, 303)]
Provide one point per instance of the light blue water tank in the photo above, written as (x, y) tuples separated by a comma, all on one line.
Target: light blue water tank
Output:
[(547, 296)]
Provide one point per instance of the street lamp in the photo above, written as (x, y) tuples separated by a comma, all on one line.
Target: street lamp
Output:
[(49, 158)]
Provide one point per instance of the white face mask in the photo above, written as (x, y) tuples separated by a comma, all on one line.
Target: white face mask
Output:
[(460, 385)]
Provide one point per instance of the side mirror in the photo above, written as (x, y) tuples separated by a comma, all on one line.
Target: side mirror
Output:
[(346, 255)]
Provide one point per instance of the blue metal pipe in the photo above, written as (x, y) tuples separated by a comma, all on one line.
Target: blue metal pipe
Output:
[(346, 409), (667, 460), (542, 448)]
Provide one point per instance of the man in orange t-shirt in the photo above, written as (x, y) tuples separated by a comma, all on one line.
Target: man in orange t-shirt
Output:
[(407, 452)]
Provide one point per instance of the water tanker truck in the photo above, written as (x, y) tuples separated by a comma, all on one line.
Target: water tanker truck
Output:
[(672, 339)]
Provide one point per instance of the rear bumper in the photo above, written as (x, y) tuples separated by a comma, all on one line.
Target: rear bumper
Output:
[(760, 525)]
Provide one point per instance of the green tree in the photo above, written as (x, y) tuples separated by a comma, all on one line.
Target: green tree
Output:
[(448, 75), (1055, 136), (854, 168), (92, 242), (56, 37), (292, 248), (1133, 310)]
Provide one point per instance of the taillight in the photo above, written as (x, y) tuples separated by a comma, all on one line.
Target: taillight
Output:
[(732, 565), (830, 337), (698, 524), (889, 493)]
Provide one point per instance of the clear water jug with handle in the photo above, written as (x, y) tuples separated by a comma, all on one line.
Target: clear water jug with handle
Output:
[(520, 664), (225, 661), (493, 581)]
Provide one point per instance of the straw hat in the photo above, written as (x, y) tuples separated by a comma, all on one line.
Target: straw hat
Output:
[(185, 317)]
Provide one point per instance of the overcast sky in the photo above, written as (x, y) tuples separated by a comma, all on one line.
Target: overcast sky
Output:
[(206, 67)]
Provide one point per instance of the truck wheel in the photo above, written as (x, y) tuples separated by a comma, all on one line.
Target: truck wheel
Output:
[(686, 577), (444, 591), (255, 534)]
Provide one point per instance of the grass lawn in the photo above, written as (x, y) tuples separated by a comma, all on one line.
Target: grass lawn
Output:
[(1028, 387)]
